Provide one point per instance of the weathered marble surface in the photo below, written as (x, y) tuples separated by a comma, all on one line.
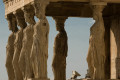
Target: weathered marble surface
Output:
[(24, 59), (10, 46), (39, 52), (9, 58), (115, 46), (96, 55), (18, 44), (17, 47), (60, 50)]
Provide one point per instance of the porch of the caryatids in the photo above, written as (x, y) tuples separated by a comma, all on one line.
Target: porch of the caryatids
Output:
[(18, 44), (60, 50), (24, 59), (39, 52), (96, 54), (10, 45)]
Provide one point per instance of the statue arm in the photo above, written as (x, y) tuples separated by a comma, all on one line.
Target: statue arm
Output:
[(65, 49), (57, 45), (64, 45)]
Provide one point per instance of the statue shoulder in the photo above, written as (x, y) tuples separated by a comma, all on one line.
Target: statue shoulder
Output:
[(11, 37), (27, 29)]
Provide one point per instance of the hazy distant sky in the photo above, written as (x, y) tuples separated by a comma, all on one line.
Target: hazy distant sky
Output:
[(78, 31)]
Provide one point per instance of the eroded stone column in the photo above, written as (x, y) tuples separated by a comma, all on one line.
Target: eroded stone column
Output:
[(39, 52), (96, 52), (115, 46), (60, 50), (18, 44), (10, 45), (24, 59)]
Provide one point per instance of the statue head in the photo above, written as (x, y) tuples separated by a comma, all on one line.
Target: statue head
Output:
[(9, 19), (29, 14), (40, 8), (20, 19), (60, 21), (97, 11), (12, 23), (59, 26)]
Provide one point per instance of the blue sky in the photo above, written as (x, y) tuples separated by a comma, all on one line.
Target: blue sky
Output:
[(78, 31)]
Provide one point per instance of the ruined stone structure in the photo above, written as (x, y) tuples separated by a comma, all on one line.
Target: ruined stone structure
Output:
[(27, 48)]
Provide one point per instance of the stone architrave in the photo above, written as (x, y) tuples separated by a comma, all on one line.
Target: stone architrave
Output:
[(10, 46), (18, 44), (24, 59), (60, 50), (96, 54), (39, 52)]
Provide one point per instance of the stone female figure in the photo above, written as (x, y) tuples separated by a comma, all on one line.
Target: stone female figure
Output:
[(24, 60), (39, 52), (60, 51), (90, 58), (10, 46), (18, 45), (97, 44)]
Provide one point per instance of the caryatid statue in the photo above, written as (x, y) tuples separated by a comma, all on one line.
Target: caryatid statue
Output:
[(39, 52), (18, 44), (60, 50), (96, 55), (90, 58), (24, 59), (10, 45)]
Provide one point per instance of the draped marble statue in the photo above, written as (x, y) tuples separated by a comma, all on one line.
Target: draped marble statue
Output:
[(96, 55), (39, 52), (60, 50), (90, 58), (24, 59), (10, 46), (18, 44)]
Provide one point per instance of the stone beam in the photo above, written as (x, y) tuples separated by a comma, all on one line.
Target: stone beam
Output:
[(111, 1), (108, 1), (69, 0), (11, 6)]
